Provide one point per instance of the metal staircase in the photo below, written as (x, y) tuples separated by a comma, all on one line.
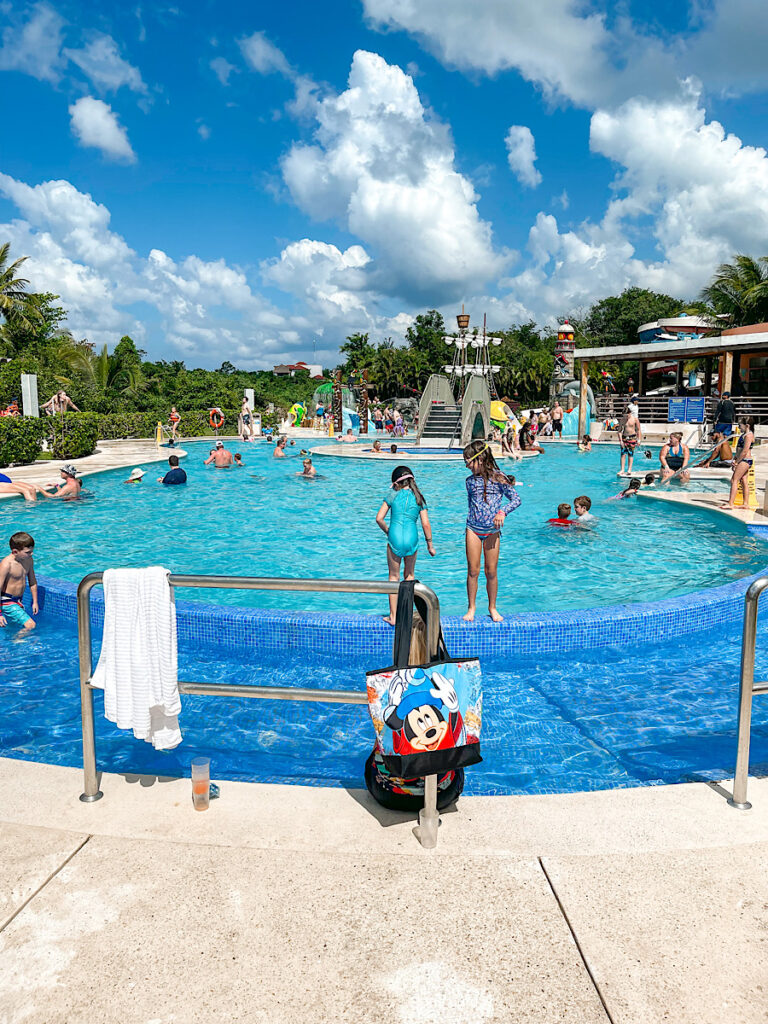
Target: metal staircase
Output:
[(442, 421)]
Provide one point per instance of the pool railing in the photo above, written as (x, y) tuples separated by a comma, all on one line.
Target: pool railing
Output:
[(429, 820), (748, 688)]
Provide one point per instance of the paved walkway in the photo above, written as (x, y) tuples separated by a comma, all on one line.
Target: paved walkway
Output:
[(285, 903)]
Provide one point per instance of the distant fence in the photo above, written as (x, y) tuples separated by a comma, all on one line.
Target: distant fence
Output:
[(655, 408)]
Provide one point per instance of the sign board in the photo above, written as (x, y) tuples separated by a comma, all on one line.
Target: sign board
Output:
[(695, 409), (256, 423), (29, 399), (677, 410), (248, 393)]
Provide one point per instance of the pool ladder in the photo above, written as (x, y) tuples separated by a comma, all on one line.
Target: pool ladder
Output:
[(747, 690), (429, 819)]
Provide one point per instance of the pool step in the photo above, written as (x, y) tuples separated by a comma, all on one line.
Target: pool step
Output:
[(442, 422)]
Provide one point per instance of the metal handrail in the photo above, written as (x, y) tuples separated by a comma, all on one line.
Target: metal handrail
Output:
[(438, 389), (747, 689), (477, 398), (426, 831)]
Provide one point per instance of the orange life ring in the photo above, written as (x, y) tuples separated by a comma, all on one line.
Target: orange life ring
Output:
[(216, 419)]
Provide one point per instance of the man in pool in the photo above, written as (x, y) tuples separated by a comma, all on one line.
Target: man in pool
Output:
[(175, 475), (349, 437), (220, 457), (722, 456), (70, 487), (15, 570)]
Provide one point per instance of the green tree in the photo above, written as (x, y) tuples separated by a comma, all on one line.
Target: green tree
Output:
[(15, 300), (740, 290), (425, 338), (615, 320)]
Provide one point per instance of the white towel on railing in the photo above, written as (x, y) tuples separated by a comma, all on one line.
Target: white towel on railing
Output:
[(137, 667)]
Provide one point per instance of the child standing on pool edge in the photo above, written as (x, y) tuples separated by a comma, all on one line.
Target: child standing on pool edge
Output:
[(491, 496), (407, 505)]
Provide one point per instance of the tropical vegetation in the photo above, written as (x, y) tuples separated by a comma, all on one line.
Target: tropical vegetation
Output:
[(120, 380)]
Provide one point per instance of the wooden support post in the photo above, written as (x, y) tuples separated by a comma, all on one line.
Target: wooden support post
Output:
[(582, 428), (679, 377), (364, 402), (725, 383), (642, 384), (708, 376)]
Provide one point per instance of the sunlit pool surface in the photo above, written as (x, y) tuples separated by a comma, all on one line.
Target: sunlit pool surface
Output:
[(264, 520), (659, 713)]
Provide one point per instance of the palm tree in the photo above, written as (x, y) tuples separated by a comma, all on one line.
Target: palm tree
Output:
[(104, 371), (740, 290), (16, 304)]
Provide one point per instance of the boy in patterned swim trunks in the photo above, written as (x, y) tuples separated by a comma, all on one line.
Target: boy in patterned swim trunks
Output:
[(15, 570)]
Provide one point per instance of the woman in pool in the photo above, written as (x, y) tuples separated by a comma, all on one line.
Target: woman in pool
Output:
[(742, 463), (407, 505), (492, 496)]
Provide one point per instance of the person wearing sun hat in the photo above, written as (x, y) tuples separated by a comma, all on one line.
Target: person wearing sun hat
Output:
[(135, 477), (70, 487)]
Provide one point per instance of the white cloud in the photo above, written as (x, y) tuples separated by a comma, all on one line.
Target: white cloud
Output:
[(263, 56), (521, 155), (689, 192), (100, 61), (205, 310), (34, 46), (551, 42), (386, 170), (95, 124), (222, 69), (332, 281), (204, 131), (569, 50)]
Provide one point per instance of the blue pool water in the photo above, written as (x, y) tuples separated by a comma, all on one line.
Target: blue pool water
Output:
[(265, 520), (618, 717)]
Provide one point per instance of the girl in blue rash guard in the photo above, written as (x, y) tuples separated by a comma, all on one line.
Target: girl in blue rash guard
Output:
[(491, 496), (407, 505)]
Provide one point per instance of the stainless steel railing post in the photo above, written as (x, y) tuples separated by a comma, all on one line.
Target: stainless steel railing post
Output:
[(91, 791), (746, 692), (429, 819)]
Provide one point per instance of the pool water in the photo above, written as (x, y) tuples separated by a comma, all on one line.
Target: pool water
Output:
[(265, 520), (660, 713)]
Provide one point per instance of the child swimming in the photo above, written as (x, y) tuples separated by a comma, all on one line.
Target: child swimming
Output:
[(630, 491), (15, 570), (491, 497), (407, 505), (563, 516)]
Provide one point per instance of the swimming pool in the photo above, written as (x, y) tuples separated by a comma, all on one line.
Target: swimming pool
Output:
[(626, 716), (265, 520)]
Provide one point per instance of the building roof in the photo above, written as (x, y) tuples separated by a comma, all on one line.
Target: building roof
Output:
[(686, 348), (679, 323)]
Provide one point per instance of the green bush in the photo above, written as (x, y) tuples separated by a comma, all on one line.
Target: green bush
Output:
[(21, 439), (127, 424), (73, 435)]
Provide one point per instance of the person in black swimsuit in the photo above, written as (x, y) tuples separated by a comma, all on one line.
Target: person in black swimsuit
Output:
[(742, 463)]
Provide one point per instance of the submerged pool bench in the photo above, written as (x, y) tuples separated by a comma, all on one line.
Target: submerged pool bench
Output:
[(429, 820)]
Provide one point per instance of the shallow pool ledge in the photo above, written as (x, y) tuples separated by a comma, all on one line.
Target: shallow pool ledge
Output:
[(338, 633)]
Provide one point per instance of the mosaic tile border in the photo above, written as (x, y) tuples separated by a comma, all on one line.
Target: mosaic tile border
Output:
[(535, 633)]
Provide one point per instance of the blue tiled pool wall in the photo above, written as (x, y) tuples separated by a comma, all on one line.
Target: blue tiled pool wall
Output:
[(519, 635)]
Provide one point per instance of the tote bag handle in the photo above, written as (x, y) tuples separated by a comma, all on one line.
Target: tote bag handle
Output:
[(406, 599)]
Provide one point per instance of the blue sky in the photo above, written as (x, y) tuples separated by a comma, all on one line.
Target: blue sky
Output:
[(224, 182)]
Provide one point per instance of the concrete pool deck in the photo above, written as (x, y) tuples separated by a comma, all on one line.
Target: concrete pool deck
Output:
[(287, 903)]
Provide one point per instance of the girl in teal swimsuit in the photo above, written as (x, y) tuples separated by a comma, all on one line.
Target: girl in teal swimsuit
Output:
[(407, 505)]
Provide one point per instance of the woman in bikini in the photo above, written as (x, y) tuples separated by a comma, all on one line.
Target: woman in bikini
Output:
[(742, 463)]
